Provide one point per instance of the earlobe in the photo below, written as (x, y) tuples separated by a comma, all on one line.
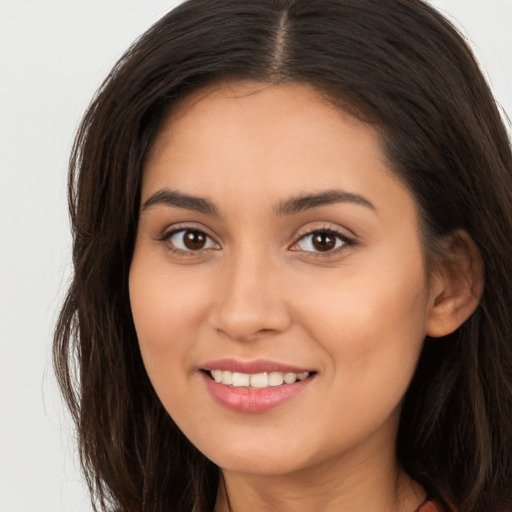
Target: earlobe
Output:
[(457, 286)]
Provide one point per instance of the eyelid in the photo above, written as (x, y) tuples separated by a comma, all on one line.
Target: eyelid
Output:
[(340, 234), (173, 229)]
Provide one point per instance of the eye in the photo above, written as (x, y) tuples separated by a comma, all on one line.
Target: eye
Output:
[(190, 240), (322, 241)]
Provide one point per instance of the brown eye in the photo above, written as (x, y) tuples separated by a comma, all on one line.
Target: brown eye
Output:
[(323, 241), (190, 240), (194, 240)]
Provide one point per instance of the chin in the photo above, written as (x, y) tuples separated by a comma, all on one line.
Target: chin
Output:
[(259, 458), (261, 466)]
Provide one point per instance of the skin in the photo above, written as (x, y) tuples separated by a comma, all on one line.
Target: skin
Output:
[(258, 289)]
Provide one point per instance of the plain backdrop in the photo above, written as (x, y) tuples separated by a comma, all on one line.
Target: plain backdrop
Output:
[(53, 56)]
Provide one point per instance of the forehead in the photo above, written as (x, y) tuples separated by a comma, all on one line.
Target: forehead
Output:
[(250, 139), (258, 119), (248, 105)]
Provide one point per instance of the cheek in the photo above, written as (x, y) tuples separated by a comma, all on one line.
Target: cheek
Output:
[(168, 309), (372, 328), (164, 300), (163, 316)]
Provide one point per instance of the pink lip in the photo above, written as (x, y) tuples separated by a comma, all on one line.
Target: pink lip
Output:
[(251, 400), (257, 366)]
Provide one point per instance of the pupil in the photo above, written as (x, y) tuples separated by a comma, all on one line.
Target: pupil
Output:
[(194, 240), (324, 241)]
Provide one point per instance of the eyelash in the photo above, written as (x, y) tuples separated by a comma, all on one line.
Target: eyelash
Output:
[(166, 238), (340, 237)]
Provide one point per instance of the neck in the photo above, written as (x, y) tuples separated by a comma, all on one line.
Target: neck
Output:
[(373, 483)]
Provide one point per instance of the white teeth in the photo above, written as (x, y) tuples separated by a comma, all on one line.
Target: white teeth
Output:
[(241, 380), (227, 377), (259, 380), (256, 380), (290, 378), (275, 379)]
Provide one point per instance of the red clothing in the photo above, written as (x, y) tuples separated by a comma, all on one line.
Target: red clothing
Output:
[(430, 506)]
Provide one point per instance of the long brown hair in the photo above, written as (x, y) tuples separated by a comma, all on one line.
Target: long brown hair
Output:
[(396, 64)]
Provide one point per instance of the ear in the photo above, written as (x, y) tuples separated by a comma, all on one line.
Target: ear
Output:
[(457, 285)]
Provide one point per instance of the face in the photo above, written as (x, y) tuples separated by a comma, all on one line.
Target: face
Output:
[(278, 285)]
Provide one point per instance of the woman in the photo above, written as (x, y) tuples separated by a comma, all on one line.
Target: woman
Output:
[(292, 275)]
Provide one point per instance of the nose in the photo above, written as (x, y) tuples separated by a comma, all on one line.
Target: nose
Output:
[(251, 302)]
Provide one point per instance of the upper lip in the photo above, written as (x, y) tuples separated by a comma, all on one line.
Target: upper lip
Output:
[(253, 367)]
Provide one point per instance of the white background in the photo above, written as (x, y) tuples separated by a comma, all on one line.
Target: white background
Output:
[(53, 55)]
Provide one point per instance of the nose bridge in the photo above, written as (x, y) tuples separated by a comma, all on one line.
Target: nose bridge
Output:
[(250, 302)]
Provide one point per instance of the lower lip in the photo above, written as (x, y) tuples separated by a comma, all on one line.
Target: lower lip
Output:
[(253, 400)]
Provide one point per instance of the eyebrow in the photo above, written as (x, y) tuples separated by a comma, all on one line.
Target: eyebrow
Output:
[(301, 203), (181, 200), (291, 206)]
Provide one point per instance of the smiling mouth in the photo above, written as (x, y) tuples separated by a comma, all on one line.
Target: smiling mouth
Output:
[(256, 380)]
